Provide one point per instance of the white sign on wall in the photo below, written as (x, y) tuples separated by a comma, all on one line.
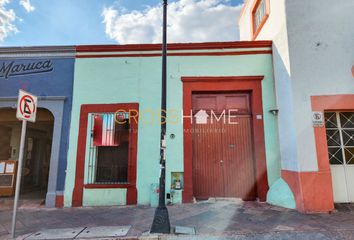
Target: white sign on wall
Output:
[(26, 106), (317, 119)]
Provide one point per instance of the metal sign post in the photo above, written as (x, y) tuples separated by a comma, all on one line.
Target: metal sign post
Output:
[(18, 178), (26, 111), (161, 222)]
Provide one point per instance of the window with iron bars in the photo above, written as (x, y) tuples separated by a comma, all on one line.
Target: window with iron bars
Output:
[(340, 137), (108, 151)]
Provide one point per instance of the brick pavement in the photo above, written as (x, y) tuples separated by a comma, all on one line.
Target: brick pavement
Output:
[(212, 220)]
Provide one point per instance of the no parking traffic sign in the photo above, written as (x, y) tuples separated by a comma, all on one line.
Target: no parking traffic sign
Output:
[(26, 106), (26, 111)]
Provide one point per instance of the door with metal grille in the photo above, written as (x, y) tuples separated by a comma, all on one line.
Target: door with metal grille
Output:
[(223, 164), (340, 141)]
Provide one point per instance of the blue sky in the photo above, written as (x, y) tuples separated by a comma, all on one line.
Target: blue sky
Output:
[(68, 22)]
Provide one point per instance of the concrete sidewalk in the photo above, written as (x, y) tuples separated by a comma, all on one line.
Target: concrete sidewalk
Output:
[(212, 220)]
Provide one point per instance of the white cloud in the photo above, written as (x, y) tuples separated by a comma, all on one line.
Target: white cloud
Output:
[(26, 4), (7, 18), (188, 21)]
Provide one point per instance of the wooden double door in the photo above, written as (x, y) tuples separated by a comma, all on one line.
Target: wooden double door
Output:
[(223, 162)]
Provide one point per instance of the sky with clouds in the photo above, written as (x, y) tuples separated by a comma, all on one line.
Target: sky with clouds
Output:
[(69, 22)]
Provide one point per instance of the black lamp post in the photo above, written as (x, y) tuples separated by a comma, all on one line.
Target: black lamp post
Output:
[(161, 222)]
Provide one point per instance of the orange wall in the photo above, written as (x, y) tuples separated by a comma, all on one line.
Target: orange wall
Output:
[(313, 191)]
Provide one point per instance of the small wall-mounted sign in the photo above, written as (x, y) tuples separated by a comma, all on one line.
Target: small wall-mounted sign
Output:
[(317, 119), (10, 168)]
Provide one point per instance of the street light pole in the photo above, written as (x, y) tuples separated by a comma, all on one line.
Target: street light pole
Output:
[(161, 222)]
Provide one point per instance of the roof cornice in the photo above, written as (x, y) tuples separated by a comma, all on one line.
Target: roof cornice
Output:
[(173, 46), (39, 51)]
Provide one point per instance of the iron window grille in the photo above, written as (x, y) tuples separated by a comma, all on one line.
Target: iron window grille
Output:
[(108, 151), (340, 137)]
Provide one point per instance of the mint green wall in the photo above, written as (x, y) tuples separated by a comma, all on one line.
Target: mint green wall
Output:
[(281, 195), (104, 197), (123, 80)]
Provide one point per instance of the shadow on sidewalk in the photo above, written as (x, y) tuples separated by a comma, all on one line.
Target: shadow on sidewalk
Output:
[(210, 218)]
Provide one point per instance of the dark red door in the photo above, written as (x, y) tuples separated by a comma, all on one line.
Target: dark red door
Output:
[(223, 163)]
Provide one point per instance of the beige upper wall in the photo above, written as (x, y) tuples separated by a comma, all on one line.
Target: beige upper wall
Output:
[(313, 54), (275, 29)]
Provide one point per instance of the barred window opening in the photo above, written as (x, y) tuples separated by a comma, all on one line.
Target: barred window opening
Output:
[(108, 149), (340, 137)]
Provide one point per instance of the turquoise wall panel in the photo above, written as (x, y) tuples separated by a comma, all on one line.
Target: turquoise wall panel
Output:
[(281, 195), (104, 197), (124, 80)]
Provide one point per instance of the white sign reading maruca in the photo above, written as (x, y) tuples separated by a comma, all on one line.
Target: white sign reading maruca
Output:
[(26, 106)]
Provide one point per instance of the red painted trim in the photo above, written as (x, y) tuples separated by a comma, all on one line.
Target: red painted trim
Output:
[(327, 103), (222, 78), (81, 148), (173, 46), (312, 190), (132, 196), (245, 83), (59, 201), (177, 54), (255, 32)]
